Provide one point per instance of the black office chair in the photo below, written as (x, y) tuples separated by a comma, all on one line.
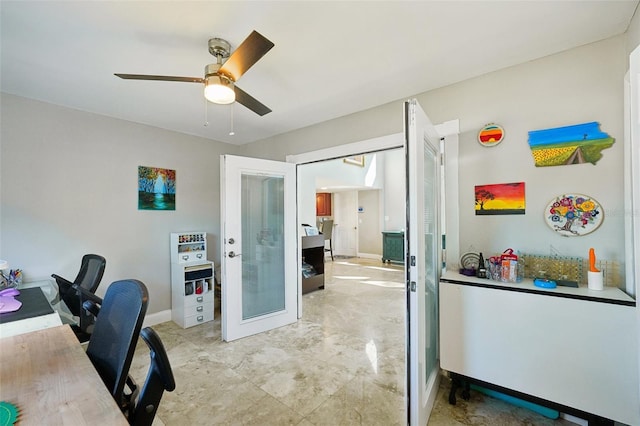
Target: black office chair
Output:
[(88, 278), (159, 379), (119, 318)]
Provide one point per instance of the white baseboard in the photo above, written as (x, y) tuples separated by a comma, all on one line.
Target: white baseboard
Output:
[(370, 256), (157, 318)]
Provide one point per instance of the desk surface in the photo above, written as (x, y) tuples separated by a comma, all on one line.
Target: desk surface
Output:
[(34, 304), (35, 314), (48, 376)]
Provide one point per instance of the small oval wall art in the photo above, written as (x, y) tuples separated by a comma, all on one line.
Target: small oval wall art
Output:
[(491, 135)]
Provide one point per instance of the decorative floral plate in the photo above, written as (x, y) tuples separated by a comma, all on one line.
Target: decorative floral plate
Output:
[(573, 215)]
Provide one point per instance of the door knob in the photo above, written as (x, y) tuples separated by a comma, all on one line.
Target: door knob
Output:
[(233, 254)]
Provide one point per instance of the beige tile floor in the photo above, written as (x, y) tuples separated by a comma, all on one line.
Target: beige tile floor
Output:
[(341, 364)]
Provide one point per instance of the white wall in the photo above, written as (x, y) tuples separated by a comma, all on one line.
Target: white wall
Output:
[(383, 170), (394, 195), (576, 86), (69, 187), (633, 34)]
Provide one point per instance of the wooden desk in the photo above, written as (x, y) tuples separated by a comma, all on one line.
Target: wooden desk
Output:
[(48, 376)]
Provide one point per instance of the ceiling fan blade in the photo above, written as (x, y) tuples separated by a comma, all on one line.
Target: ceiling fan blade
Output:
[(250, 102), (248, 53), (160, 78)]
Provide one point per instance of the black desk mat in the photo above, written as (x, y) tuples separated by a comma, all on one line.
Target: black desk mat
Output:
[(34, 304)]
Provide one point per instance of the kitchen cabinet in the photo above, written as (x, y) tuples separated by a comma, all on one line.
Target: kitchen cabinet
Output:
[(323, 204)]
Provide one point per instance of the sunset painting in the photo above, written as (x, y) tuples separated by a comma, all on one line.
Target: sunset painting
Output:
[(502, 198)]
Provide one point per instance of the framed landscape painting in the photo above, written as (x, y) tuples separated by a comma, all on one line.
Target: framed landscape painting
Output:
[(156, 188), (502, 198)]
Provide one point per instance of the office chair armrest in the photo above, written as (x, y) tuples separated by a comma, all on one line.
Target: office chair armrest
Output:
[(91, 303), (92, 307), (86, 294), (159, 357), (59, 280), (64, 286)]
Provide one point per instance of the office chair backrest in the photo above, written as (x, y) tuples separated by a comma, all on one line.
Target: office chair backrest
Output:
[(89, 277), (327, 229), (159, 378), (116, 333), (91, 271)]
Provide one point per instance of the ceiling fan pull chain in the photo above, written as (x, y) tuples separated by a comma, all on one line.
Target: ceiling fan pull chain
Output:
[(231, 133)]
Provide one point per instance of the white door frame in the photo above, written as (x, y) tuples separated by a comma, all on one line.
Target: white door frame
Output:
[(395, 140), (448, 130)]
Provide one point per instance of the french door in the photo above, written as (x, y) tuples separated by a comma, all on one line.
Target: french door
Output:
[(423, 260), (259, 245)]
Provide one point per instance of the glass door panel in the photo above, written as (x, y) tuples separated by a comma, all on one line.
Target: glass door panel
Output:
[(263, 286)]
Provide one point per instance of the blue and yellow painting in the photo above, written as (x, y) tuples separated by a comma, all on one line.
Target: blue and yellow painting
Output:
[(577, 144), (156, 188)]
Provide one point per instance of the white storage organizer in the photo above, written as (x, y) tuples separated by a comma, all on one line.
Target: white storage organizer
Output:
[(188, 247), (192, 280)]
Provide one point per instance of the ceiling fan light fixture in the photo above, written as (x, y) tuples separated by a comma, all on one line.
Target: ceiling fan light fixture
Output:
[(219, 89)]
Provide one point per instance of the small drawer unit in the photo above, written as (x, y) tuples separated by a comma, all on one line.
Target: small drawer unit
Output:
[(197, 310), (188, 247), (192, 280)]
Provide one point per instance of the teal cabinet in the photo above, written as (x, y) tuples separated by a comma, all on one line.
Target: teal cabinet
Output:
[(393, 246)]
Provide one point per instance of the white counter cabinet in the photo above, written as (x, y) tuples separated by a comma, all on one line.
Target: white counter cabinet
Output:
[(571, 346)]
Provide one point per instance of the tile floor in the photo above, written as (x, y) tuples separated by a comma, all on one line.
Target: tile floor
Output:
[(341, 364)]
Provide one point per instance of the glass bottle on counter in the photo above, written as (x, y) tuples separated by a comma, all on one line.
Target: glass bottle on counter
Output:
[(482, 268)]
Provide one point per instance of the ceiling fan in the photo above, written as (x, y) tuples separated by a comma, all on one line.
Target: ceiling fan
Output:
[(220, 78)]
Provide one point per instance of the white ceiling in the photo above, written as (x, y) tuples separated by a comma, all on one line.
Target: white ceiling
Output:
[(330, 58)]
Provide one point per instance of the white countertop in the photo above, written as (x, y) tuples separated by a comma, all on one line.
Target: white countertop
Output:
[(582, 292)]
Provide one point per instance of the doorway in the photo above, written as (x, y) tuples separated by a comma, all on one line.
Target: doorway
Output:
[(365, 199), (362, 295), (449, 193)]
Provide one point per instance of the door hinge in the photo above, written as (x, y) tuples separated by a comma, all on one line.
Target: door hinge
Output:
[(413, 286), (412, 261)]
